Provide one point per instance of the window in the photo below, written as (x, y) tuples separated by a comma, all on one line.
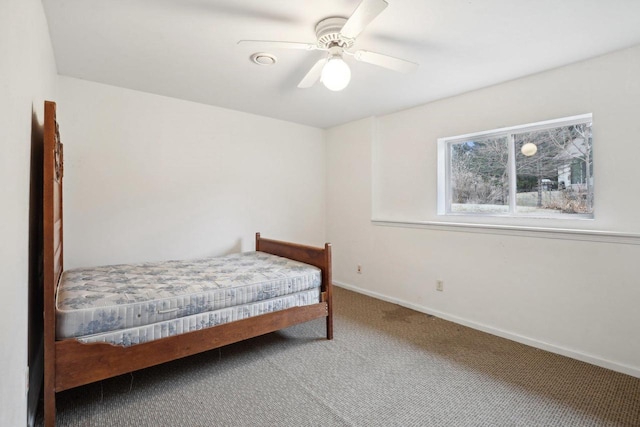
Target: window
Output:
[(541, 169)]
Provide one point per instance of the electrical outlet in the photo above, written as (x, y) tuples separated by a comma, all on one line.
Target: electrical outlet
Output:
[(359, 269), (439, 285)]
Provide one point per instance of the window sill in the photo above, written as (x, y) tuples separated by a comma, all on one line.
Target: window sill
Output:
[(514, 230)]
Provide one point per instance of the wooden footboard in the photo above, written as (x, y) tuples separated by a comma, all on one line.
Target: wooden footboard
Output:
[(69, 363), (318, 257)]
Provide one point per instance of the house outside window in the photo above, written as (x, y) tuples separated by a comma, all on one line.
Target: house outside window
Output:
[(540, 169)]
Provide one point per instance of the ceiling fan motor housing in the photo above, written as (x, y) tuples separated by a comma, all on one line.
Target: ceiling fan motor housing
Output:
[(328, 33)]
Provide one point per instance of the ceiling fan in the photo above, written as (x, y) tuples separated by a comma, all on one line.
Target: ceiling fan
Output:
[(336, 36)]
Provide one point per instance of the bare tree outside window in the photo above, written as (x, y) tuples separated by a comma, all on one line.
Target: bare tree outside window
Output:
[(559, 177), (491, 173), (479, 175)]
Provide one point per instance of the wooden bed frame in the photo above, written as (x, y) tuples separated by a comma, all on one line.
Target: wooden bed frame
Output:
[(69, 363)]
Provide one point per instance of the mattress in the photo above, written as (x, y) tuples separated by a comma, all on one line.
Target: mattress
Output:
[(91, 301), (142, 334)]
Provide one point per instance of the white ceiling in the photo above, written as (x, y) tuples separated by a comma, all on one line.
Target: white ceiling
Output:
[(188, 49)]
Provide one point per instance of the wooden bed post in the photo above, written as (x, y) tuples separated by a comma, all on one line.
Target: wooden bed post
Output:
[(328, 285), (52, 251)]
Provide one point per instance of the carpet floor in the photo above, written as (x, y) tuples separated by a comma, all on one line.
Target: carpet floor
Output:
[(387, 366)]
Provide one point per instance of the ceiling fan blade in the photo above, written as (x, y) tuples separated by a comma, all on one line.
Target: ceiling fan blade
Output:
[(279, 44), (313, 75), (366, 12), (386, 61)]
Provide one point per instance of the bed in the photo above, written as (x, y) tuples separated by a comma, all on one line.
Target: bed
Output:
[(111, 320)]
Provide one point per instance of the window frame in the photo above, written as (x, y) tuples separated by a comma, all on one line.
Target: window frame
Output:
[(444, 192)]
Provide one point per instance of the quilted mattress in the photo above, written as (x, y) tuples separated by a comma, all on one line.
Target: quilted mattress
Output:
[(141, 334), (98, 300)]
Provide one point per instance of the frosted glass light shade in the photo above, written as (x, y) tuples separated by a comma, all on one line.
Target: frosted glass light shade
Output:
[(529, 149), (336, 74)]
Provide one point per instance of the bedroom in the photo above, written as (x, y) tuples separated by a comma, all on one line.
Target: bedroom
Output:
[(578, 296)]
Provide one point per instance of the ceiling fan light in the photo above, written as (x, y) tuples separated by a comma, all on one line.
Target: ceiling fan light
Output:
[(336, 74)]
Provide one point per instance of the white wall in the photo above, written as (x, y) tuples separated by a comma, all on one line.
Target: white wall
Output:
[(150, 178), (573, 297), (27, 78)]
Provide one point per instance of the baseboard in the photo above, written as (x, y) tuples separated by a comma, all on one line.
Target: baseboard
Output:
[(625, 369)]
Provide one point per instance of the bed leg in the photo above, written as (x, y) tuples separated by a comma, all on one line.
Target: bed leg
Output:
[(49, 407), (329, 326)]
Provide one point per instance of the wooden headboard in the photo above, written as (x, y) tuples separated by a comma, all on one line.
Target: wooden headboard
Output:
[(53, 171)]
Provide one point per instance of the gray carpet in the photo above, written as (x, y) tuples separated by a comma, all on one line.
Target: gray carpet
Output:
[(387, 366)]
